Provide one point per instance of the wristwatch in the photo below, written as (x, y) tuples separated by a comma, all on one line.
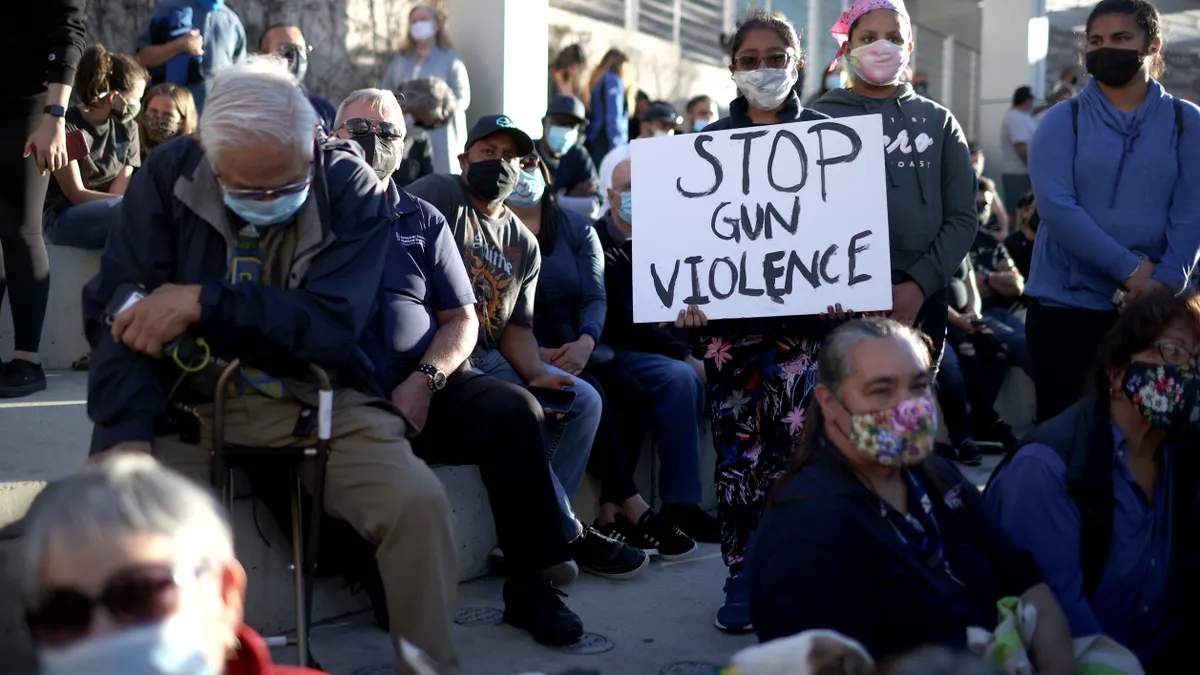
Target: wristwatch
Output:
[(437, 379), (54, 111)]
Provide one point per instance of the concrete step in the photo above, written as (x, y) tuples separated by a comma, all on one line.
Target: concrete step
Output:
[(62, 334)]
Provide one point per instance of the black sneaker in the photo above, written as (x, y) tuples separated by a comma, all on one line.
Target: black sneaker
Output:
[(999, 436), (945, 451), (694, 522), (970, 454), (606, 557), (670, 543), (623, 531), (21, 378), (533, 605)]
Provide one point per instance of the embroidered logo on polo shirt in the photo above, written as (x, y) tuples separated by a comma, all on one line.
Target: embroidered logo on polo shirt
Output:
[(410, 239), (954, 498)]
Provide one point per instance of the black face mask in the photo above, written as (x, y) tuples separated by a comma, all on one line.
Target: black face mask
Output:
[(492, 180), (1114, 67), (1034, 221), (381, 154)]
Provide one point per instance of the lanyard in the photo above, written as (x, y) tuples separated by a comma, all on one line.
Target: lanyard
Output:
[(921, 534)]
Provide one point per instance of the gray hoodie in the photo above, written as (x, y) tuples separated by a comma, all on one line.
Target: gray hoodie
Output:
[(931, 183)]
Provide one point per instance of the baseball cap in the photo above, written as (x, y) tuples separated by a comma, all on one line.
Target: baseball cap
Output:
[(496, 124), (661, 113), (568, 105)]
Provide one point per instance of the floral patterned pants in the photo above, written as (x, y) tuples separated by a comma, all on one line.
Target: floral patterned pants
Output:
[(758, 389)]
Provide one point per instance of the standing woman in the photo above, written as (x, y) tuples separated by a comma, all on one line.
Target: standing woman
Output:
[(1117, 182), (611, 94), (930, 178), (43, 49), (759, 371), (427, 53)]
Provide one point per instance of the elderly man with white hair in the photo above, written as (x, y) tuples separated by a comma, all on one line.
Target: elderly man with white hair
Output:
[(129, 568), (270, 248), (464, 417)]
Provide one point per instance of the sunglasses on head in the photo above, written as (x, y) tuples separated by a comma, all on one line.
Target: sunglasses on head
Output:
[(134, 595), (361, 126)]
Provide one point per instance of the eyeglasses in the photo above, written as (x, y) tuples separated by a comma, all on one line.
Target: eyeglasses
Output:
[(529, 162), (361, 126), (1176, 354), (268, 195), (781, 60), (134, 595)]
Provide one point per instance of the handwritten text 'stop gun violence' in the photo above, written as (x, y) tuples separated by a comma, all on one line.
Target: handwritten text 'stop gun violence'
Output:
[(768, 221)]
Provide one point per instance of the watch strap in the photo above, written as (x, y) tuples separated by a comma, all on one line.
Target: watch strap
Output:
[(54, 111)]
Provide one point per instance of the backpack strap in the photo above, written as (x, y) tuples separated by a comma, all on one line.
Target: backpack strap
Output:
[(1178, 120), (1075, 121)]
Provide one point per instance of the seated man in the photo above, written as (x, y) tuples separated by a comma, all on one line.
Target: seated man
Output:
[(659, 120), (570, 164), (662, 363), (701, 112), (230, 244), (288, 41), (1001, 286), (432, 314), (503, 261), (156, 550)]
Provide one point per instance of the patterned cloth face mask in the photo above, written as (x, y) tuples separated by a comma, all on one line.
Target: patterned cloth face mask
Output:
[(899, 436), (1167, 396)]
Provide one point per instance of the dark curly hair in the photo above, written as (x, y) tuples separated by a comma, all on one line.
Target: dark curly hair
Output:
[(1139, 327)]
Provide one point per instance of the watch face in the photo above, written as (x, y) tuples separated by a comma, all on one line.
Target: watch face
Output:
[(439, 380)]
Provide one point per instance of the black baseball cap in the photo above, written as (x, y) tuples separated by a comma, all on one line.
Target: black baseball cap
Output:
[(660, 112), (568, 105), (498, 124)]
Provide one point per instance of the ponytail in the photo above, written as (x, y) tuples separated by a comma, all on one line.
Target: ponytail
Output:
[(92, 77)]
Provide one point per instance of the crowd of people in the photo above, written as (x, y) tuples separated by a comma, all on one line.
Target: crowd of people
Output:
[(471, 290)]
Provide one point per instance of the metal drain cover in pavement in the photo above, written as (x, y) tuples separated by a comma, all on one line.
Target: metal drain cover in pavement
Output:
[(375, 670), (590, 643), (690, 668), (479, 616)]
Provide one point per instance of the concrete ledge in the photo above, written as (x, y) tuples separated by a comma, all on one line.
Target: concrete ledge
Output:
[(62, 333)]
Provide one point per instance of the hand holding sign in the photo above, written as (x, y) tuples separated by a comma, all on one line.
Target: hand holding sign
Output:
[(797, 226)]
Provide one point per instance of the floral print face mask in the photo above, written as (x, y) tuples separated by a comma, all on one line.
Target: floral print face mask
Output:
[(1166, 395), (900, 436)]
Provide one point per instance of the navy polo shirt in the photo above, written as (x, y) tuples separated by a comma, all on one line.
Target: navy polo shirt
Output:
[(824, 556), (424, 274), (574, 168)]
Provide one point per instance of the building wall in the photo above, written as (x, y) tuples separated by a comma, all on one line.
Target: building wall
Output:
[(1183, 68)]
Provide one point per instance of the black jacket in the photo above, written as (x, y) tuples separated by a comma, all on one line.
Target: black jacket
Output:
[(175, 230), (620, 331), (41, 44)]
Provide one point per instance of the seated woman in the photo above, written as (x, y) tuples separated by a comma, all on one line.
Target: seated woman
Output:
[(570, 311), (870, 536), (1103, 495), (84, 199), (170, 111)]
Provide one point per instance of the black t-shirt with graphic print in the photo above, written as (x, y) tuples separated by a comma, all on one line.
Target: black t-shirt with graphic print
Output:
[(111, 146), (501, 256)]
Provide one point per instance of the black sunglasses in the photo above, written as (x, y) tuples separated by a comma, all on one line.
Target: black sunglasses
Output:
[(744, 63), (134, 595), (361, 126)]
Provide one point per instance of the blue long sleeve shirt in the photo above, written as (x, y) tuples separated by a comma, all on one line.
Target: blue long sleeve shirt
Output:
[(1123, 186), (571, 300), (608, 113), (1135, 600)]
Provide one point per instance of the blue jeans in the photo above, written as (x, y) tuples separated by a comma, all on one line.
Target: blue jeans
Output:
[(1011, 333), (83, 225), (678, 399), (573, 440), (952, 394)]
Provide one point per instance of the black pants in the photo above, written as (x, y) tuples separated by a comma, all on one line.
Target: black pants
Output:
[(932, 321), (1063, 344), (24, 265), (480, 420), (624, 423), (983, 373)]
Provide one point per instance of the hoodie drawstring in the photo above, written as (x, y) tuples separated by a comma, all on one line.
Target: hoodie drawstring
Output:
[(921, 178), (1132, 131)]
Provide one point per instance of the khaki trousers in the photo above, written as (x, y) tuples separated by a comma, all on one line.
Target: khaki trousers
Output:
[(374, 483)]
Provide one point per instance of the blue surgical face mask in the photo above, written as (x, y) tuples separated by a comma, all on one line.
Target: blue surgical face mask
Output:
[(171, 647), (211, 5), (530, 188), (561, 139), (625, 210), (698, 125), (267, 212)]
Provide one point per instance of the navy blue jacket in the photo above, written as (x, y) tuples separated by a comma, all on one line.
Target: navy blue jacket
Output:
[(824, 557), (175, 229)]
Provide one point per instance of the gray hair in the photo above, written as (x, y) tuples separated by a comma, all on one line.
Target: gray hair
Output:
[(834, 363), (257, 99), (380, 100), (430, 94), (128, 494)]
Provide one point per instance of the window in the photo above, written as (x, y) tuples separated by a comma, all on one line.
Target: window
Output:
[(657, 18), (608, 11), (701, 23)]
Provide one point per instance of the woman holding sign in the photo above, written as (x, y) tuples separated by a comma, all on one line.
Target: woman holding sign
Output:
[(931, 181), (759, 371)]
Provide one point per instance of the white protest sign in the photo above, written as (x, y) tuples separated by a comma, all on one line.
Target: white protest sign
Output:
[(766, 221)]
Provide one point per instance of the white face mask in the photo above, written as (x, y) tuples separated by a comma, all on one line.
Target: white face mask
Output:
[(423, 30), (659, 133), (170, 647), (766, 88)]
